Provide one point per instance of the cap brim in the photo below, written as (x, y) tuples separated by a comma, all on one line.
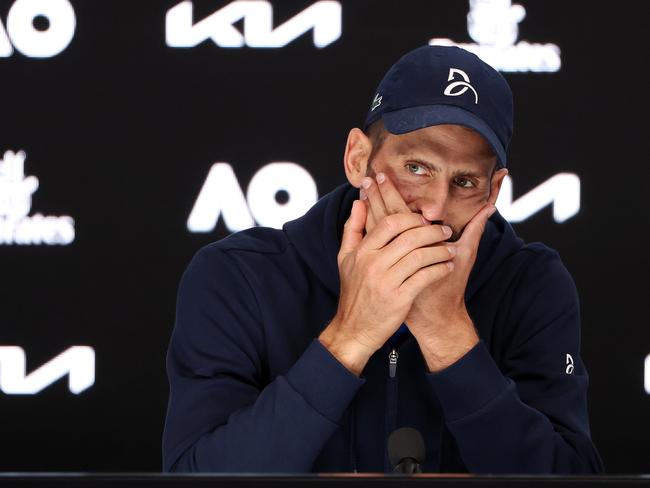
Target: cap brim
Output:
[(414, 118)]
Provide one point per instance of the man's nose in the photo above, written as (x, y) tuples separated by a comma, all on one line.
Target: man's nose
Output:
[(433, 206)]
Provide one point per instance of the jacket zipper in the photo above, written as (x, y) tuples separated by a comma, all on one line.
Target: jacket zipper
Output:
[(392, 363), (391, 400)]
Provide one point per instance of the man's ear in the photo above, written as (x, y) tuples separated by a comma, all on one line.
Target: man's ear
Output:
[(495, 184), (355, 160)]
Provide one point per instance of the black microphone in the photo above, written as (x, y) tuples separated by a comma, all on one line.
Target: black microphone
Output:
[(406, 450)]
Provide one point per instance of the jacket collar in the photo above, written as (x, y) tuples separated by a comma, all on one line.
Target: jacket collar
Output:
[(316, 235)]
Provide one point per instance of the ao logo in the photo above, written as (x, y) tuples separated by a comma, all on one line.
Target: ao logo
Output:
[(78, 362), (323, 17), (22, 33), (222, 195)]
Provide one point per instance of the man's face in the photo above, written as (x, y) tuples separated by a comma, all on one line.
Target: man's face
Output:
[(445, 172)]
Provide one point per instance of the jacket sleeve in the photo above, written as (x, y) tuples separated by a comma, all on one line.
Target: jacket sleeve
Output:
[(222, 416), (529, 413)]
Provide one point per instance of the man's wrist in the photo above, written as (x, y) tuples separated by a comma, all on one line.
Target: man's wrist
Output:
[(449, 343), (349, 352)]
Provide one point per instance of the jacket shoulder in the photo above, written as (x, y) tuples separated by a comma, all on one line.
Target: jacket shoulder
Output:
[(263, 240), (224, 262), (541, 268), (538, 251)]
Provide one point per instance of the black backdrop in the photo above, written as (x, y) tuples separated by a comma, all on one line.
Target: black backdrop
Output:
[(121, 130)]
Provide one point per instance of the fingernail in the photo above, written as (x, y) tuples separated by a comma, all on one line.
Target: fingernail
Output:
[(446, 230), (450, 265), (424, 221), (362, 194), (381, 177), (452, 250), (366, 182)]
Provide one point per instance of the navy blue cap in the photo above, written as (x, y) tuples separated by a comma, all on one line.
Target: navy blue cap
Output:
[(434, 85)]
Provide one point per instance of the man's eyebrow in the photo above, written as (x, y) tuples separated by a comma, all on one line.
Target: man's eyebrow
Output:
[(436, 169), (469, 174)]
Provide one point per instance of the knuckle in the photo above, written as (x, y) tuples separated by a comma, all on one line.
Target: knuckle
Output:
[(420, 258), (395, 220), (416, 284), (442, 253), (392, 221), (407, 240), (387, 224), (418, 219), (411, 260), (427, 236), (437, 271)]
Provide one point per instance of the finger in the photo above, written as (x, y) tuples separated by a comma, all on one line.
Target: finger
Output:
[(353, 229), (375, 200), (418, 259), (388, 228), (474, 229), (422, 236), (370, 221), (425, 277), (393, 201)]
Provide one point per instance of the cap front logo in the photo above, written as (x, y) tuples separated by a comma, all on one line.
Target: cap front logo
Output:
[(449, 91)]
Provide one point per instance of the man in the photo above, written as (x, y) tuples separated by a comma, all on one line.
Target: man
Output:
[(393, 302)]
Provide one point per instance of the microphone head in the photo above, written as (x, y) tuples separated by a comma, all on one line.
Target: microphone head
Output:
[(404, 443)]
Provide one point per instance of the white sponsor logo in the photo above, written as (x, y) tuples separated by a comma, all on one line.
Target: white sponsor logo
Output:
[(221, 195), (376, 102), (494, 27), (78, 362), (646, 374), (562, 191), (21, 32), (569, 364), (323, 17), (16, 226), (463, 85)]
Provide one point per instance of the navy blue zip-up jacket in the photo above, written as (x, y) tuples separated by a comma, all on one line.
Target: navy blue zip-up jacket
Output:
[(253, 390)]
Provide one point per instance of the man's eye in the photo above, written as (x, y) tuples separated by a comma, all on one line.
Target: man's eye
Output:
[(416, 169), (464, 182)]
